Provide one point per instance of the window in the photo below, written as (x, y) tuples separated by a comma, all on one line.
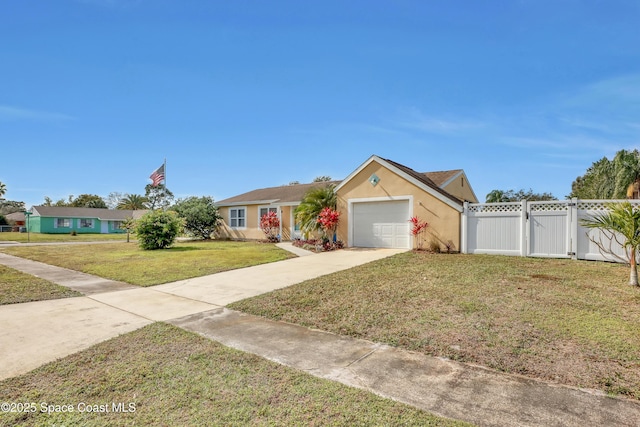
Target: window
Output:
[(86, 223), (117, 225), (63, 222), (265, 210), (237, 217)]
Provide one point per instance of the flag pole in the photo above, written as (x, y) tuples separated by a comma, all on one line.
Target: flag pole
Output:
[(165, 173)]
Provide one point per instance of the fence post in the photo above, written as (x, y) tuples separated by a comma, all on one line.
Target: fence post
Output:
[(463, 228), (524, 229), (573, 211)]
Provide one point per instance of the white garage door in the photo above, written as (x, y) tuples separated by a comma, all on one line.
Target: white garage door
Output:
[(381, 224)]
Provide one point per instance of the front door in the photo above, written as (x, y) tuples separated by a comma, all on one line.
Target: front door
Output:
[(295, 227)]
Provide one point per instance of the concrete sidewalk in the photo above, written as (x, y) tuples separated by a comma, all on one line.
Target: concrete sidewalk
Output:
[(443, 387), (36, 333)]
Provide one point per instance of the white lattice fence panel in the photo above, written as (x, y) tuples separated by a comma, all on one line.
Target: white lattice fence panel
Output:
[(494, 228), (549, 229), (586, 246)]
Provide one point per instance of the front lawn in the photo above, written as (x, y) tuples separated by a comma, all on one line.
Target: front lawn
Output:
[(17, 287), (126, 262), (572, 322), (165, 376)]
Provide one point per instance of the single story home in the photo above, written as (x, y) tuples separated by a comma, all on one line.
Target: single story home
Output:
[(59, 219), (241, 214), (16, 219), (376, 202)]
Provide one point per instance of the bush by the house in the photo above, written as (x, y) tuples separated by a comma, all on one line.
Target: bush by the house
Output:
[(200, 214), (270, 225), (318, 245), (158, 229)]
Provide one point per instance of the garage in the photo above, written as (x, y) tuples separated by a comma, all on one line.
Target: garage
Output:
[(381, 224)]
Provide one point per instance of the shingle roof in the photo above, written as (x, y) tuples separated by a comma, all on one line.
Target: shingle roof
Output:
[(425, 179), (282, 194), (16, 216), (440, 177), (102, 214)]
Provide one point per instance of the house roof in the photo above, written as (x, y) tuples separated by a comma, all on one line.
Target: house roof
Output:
[(16, 216), (427, 180), (419, 179), (102, 214), (434, 181), (441, 178), (281, 194)]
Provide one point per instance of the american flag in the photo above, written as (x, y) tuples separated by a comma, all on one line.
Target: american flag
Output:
[(157, 176)]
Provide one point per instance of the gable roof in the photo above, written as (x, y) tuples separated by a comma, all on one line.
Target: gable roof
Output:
[(16, 216), (418, 179), (442, 178), (282, 194), (101, 214)]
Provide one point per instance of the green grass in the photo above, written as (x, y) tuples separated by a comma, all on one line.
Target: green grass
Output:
[(50, 238), (17, 287), (126, 262), (173, 377), (572, 322)]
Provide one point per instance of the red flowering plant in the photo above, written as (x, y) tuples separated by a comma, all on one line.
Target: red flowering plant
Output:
[(328, 221), (270, 225), (417, 228)]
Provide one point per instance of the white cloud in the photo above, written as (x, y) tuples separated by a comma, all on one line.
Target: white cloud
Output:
[(416, 120), (13, 113)]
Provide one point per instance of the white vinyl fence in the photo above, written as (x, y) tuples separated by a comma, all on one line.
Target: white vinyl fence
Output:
[(537, 229)]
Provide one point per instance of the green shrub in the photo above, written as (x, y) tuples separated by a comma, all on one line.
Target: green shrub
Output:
[(158, 229), (201, 217)]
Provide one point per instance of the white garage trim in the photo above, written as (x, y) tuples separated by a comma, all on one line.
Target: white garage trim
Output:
[(351, 211)]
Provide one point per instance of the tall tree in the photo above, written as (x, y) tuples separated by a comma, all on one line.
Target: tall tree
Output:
[(113, 199), (608, 179), (158, 197), (313, 202), (3, 189), (10, 206), (88, 201), (133, 202), (620, 224), (497, 196), (48, 201), (322, 178)]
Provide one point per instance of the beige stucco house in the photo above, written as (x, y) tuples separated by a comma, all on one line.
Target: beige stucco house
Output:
[(241, 214), (375, 201)]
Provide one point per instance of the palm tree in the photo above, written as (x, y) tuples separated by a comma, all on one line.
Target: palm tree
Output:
[(3, 189), (621, 223), (314, 200), (133, 202), (627, 170)]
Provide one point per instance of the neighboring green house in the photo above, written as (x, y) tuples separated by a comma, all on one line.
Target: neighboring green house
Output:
[(64, 220)]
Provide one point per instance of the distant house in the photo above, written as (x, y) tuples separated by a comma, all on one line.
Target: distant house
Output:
[(375, 201), (56, 219), (15, 219)]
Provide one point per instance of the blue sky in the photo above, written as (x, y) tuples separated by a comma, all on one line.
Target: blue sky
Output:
[(238, 95)]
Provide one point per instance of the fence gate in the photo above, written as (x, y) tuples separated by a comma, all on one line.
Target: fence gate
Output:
[(549, 229), (540, 229)]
